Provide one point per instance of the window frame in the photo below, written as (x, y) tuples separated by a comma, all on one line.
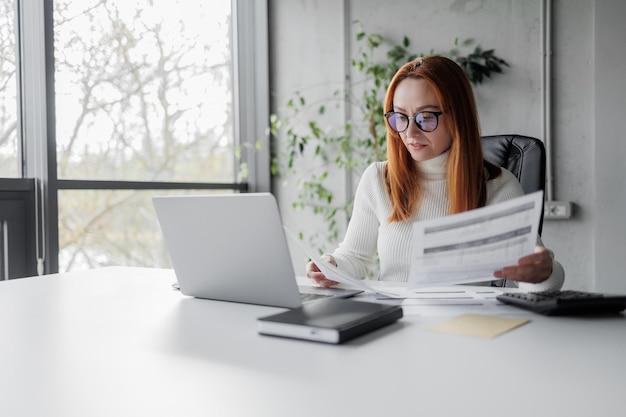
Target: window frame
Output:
[(37, 128)]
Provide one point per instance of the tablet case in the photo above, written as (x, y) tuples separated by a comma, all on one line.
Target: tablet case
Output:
[(329, 320)]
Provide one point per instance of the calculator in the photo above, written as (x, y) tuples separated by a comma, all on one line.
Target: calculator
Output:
[(566, 302)]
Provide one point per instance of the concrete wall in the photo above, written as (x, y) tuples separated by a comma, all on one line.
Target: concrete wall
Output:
[(607, 201), (311, 42)]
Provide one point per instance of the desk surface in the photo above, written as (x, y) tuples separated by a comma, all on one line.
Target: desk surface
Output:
[(121, 342)]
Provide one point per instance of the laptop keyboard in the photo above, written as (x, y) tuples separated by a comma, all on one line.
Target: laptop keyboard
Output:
[(310, 297)]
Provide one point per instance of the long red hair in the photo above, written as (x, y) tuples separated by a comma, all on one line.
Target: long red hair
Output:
[(467, 188)]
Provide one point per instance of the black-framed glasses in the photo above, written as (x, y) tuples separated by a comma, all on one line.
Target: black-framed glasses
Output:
[(426, 121)]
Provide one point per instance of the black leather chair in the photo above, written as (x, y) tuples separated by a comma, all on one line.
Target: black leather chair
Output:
[(524, 156)]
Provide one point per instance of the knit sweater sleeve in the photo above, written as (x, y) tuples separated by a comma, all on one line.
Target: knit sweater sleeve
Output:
[(357, 251)]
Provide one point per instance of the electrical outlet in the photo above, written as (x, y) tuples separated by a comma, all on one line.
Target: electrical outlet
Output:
[(557, 210)]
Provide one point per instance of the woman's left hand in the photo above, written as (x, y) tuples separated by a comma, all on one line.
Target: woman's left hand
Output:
[(533, 268)]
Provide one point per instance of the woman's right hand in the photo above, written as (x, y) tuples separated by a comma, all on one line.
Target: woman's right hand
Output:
[(317, 276)]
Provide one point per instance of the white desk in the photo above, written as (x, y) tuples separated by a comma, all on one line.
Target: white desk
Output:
[(121, 342)]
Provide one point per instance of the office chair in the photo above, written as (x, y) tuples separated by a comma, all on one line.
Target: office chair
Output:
[(524, 156)]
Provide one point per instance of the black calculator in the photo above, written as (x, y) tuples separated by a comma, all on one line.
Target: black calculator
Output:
[(566, 302)]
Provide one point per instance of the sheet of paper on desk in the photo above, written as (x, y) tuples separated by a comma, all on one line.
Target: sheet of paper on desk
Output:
[(452, 301), (470, 246)]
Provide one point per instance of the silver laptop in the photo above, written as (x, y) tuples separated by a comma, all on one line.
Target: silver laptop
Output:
[(232, 247)]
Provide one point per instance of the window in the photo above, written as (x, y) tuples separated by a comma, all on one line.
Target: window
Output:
[(146, 98), (144, 90), (143, 93), (9, 156)]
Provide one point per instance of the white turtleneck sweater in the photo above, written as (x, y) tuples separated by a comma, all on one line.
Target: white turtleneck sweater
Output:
[(370, 233)]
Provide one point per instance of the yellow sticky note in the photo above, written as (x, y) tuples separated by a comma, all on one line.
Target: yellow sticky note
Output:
[(479, 325)]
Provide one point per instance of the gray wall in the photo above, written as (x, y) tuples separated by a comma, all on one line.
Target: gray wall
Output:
[(607, 199), (311, 42)]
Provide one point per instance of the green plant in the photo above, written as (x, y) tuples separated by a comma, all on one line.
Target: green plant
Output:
[(360, 141)]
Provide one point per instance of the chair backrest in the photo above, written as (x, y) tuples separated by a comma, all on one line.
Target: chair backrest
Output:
[(524, 156)]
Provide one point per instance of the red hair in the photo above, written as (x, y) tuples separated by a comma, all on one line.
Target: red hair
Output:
[(467, 184)]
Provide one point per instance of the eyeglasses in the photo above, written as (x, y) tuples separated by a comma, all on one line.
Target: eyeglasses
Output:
[(426, 121)]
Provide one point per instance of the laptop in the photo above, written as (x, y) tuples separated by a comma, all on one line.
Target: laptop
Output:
[(232, 247)]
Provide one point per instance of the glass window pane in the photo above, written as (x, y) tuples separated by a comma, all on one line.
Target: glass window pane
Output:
[(144, 90), (104, 228), (9, 155)]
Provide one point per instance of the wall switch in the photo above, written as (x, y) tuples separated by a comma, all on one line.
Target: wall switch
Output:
[(557, 210)]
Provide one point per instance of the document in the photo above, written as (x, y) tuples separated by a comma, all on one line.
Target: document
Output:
[(470, 246), (448, 301)]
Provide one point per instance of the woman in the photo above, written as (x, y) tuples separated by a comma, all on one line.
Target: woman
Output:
[(434, 168)]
